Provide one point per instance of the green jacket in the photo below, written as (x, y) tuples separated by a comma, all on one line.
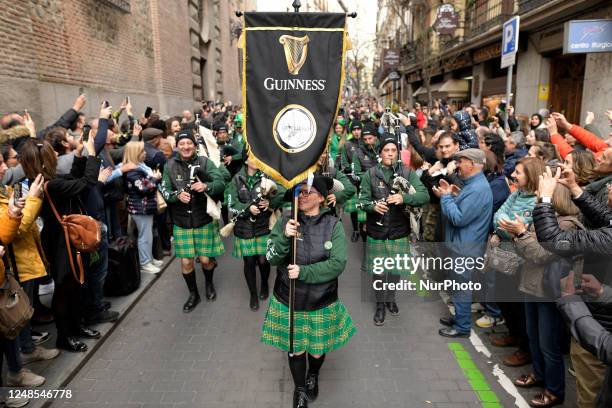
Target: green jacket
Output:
[(231, 192), (520, 203), (279, 249), (419, 198), (215, 185)]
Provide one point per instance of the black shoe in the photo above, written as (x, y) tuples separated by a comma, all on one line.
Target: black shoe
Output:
[(312, 387), (192, 302), (379, 316), (211, 294), (452, 332), (106, 305), (254, 303), (393, 309), (102, 317), (447, 321), (87, 333), (71, 344), (355, 236), (300, 400), (265, 291)]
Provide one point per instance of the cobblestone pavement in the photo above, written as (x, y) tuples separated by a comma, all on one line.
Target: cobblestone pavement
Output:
[(212, 357)]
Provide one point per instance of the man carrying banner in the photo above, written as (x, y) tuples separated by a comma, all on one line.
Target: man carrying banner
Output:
[(186, 181), (346, 165), (384, 195), (321, 322)]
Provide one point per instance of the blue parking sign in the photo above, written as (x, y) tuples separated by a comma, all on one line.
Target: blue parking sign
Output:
[(510, 34)]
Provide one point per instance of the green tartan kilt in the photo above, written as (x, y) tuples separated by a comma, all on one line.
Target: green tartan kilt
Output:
[(387, 249), (362, 216), (350, 205), (249, 247), (202, 241), (317, 332)]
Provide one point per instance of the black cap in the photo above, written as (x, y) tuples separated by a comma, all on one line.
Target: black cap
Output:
[(356, 125), (369, 130), (387, 138), (220, 126), (185, 134), (321, 183)]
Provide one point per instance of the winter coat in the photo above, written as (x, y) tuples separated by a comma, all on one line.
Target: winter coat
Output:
[(9, 227), (520, 203), (466, 135), (499, 188), (536, 258), (141, 189), (27, 245), (511, 159)]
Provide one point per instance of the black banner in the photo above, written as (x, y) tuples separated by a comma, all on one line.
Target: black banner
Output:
[(293, 70)]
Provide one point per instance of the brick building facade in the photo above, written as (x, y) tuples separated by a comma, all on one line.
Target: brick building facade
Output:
[(168, 54)]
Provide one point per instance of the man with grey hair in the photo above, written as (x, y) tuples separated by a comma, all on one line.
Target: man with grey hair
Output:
[(515, 150)]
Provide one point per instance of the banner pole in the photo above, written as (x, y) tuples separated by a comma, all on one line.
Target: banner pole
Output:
[(294, 209)]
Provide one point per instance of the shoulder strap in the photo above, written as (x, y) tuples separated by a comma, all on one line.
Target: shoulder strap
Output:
[(11, 254), (57, 215), (81, 277)]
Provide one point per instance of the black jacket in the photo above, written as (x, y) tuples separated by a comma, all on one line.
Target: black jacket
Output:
[(595, 245), (595, 242)]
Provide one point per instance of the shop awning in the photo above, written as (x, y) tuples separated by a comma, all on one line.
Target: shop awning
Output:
[(455, 87), (423, 90)]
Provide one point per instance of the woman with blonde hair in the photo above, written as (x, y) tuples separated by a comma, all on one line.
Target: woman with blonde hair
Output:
[(141, 185)]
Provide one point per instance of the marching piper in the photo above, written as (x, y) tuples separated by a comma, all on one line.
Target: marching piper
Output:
[(337, 198), (252, 198), (321, 321), (186, 181), (364, 159), (385, 191), (346, 165)]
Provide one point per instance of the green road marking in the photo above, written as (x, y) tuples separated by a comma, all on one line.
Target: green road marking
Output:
[(477, 380)]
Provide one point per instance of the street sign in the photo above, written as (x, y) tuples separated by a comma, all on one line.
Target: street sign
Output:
[(394, 76), (391, 57), (510, 36), (447, 20), (582, 36)]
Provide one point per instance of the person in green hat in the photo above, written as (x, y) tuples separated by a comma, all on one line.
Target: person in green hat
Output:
[(337, 139), (388, 227), (321, 321), (346, 159)]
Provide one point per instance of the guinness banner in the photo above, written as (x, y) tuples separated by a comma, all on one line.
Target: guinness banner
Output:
[(292, 75)]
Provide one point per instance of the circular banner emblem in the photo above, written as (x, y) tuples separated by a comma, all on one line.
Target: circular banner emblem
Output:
[(294, 128)]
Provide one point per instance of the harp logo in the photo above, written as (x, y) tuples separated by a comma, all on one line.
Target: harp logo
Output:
[(296, 51)]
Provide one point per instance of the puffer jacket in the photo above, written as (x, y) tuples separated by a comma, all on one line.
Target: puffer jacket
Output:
[(537, 258), (466, 135), (520, 203), (511, 159), (27, 247), (8, 231), (599, 188), (141, 188), (595, 244)]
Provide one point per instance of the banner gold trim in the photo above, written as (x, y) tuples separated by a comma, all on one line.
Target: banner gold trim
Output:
[(258, 163)]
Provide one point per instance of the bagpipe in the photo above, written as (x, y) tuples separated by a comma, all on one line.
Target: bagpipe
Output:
[(399, 184), (266, 189)]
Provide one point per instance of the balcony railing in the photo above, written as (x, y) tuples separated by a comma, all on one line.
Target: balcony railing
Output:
[(482, 15), (526, 6)]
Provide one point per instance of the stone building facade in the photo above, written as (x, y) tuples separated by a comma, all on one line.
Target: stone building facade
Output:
[(167, 54)]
